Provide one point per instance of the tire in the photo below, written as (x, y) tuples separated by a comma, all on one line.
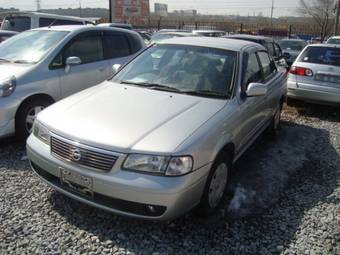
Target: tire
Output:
[(275, 125), (210, 200), (27, 114)]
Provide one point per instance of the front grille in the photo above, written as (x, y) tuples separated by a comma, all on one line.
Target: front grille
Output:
[(82, 154), (113, 203)]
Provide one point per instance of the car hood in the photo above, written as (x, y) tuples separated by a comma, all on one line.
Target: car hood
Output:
[(128, 118), (8, 70)]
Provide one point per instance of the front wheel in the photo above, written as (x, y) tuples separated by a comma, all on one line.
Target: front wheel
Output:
[(216, 184), (276, 121)]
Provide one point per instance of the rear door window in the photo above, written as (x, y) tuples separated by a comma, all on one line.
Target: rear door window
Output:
[(321, 55), (116, 46), (16, 23)]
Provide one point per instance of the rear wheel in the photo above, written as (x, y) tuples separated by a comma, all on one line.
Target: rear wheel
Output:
[(26, 116), (216, 184), (276, 121)]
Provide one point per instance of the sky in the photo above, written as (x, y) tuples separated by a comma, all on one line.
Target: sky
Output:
[(229, 7)]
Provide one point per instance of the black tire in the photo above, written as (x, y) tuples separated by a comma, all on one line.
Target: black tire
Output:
[(21, 129), (205, 209), (275, 124)]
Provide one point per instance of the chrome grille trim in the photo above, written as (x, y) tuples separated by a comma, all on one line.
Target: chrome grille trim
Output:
[(91, 157)]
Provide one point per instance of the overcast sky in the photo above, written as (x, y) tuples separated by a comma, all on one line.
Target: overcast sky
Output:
[(241, 7)]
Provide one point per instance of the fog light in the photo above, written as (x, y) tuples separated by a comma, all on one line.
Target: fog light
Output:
[(151, 208)]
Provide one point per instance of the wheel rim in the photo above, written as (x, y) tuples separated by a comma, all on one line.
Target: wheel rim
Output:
[(31, 116), (277, 118), (217, 185)]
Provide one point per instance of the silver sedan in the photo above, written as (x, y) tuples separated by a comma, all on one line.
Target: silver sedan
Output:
[(160, 137), (315, 75)]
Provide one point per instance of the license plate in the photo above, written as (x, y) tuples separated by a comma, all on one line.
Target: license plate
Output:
[(327, 78), (77, 182)]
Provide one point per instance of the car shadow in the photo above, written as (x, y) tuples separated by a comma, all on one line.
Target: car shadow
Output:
[(270, 190)]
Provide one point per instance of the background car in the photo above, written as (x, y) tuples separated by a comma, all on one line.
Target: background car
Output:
[(41, 66), (291, 48), (333, 40), (315, 75), (160, 36), (4, 35), (160, 137), (209, 33), (118, 25), (22, 21)]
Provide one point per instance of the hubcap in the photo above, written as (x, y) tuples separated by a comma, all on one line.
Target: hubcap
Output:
[(31, 116), (217, 185)]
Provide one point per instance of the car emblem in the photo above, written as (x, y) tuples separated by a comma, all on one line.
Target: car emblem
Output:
[(75, 154)]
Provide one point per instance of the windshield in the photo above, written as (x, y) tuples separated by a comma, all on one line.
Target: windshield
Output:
[(292, 45), (30, 46), (333, 41), (321, 55), (16, 23), (194, 70)]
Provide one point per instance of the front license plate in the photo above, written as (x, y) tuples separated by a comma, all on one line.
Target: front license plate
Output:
[(77, 182)]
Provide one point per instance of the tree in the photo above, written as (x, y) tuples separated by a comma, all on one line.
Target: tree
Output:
[(322, 12)]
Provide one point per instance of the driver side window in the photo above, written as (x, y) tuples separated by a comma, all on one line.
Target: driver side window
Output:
[(252, 71)]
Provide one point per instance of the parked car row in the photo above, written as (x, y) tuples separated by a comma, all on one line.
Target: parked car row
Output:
[(160, 132)]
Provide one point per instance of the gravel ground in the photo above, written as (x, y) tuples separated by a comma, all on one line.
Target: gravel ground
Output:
[(285, 199)]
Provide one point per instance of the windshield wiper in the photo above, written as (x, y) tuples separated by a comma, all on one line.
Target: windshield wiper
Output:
[(154, 86), (207, 93), (5, 60), (23, 62)]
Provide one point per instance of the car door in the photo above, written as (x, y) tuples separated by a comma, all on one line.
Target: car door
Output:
[(273, 80), (117, 48), (93, 68), (252, 109)]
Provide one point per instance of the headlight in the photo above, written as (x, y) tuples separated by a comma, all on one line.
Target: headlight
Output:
[(7, 87), (41, 132), (171, 166)]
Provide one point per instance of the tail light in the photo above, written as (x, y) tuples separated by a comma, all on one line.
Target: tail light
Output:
[(301, 71)]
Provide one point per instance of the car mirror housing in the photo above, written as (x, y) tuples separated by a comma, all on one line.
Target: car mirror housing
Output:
[(72, 61), (116, 68), (256, 90)]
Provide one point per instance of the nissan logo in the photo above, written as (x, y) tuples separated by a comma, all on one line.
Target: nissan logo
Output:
[(75, 154)]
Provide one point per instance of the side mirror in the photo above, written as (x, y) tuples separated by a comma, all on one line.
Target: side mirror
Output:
[(116, 68), (256, 90), (72, 61)]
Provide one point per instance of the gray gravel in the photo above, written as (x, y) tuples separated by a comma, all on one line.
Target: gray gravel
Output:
[(285, 199)]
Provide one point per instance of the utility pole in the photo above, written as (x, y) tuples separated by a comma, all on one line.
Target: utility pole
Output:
[(110, 11), (80, 9), (38, 5), (337, 18), (271, 14)]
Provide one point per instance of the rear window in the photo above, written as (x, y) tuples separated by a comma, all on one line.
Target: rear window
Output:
[(333, 41), (16, 23), (45, 22), (321, 55)]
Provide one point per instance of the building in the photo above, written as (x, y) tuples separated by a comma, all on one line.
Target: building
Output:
[(134, 12), (161, 9), (186, 12)]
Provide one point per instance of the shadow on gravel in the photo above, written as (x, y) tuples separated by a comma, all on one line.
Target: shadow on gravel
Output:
[(274, 184)]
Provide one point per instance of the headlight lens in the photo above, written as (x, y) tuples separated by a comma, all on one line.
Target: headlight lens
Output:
[(7, 87), (41, 132), (171, 166)]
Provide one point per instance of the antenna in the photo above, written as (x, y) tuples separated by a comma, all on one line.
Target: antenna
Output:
[(38, 4), (271, 14)]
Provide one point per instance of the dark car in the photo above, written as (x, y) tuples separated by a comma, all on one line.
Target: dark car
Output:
[(4, 35), (272, 47), (291, 49)]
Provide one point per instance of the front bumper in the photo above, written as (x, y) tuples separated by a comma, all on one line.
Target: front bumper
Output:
[(122, 192), (8, 108), (313, 93)]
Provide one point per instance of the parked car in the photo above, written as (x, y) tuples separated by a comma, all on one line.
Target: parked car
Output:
[(315, 75), (41, 66), (160, 137), (22, 21), (160, 36), (333, 40), (4, 35), (291, 48), (145, 35), (209, 33), (118, 25), (272, 47)]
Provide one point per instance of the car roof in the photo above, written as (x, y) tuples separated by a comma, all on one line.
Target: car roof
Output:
[(208, 31), (292, 40), (325, 45), (212, 42), (334, 37), (250, 37), (175, 33), (83, 28)]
